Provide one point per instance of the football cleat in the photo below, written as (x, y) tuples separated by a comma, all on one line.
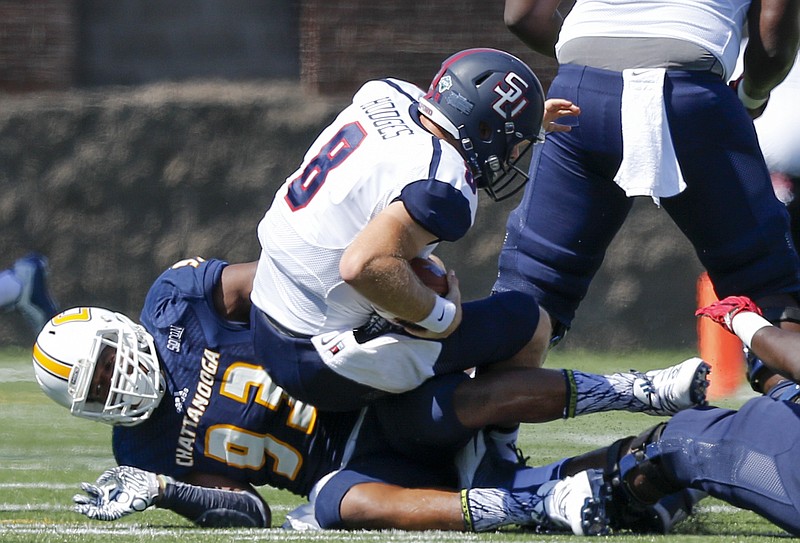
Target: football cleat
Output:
[(723, 311), (35, 302), (673, 509), (576, 503), (756, 371), (670, 390)]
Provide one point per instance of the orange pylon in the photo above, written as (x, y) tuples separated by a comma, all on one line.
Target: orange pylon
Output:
[(718, 347)]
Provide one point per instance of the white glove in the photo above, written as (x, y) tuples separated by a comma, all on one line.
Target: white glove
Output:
[(119, 491)]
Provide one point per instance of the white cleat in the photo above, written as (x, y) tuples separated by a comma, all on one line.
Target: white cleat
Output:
[(673, 389), (577, 503)]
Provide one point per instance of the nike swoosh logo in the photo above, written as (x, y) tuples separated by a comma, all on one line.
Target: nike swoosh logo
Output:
[(440, 317), (324, 340)]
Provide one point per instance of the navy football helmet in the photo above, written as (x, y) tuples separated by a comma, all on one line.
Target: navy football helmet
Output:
[(493, 104)]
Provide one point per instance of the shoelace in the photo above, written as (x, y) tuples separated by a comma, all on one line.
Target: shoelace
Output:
[(649, 389)]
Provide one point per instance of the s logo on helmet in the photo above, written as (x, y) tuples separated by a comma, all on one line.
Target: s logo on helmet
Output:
[(514, 94)]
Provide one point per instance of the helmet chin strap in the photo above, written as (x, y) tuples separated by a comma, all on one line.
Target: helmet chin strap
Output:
[(471, 157)]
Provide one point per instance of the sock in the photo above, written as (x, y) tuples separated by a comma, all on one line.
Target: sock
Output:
[(505, 441), (487, 509), (10, 289), (592, 393)]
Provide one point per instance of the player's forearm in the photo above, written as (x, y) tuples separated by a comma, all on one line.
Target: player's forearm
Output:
[(213, 507), (390, 284), (779, 350), (774, 35), (376, 265), (535, 22), (375, 506)]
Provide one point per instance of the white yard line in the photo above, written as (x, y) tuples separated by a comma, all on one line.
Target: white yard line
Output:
[(49, 486), (273, 534), (17, 375)]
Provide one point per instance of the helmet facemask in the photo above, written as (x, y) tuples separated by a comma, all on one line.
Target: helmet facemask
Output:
[(502, 178), (136, 384)]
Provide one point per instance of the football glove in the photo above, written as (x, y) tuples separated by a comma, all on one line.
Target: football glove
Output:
[(118, 492), (723, 311)]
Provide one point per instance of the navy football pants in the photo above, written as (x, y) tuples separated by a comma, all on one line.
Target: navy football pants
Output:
[(571, 209), (748, 458), (493, 329)]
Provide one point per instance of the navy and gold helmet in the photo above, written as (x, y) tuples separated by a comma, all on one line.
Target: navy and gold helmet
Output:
[(493, 104)]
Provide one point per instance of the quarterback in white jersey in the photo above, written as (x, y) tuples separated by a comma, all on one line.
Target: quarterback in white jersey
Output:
[(397, 172), (375, 153)]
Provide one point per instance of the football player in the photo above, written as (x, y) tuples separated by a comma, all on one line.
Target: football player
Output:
[(23, 288), (697, 155), (397, 172), (199, 423), (746, 457)]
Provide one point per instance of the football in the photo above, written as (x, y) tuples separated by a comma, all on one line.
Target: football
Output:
[(431, 274)]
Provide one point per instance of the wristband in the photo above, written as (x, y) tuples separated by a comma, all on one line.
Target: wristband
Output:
[(746, 324), (748, 101), (441, 317)]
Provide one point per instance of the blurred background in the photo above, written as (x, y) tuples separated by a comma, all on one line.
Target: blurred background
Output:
[(135, 133)]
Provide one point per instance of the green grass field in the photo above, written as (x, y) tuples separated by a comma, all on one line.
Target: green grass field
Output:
[(45, 453)]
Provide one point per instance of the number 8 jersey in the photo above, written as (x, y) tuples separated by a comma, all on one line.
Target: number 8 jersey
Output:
[(374, 153), (221, 413)]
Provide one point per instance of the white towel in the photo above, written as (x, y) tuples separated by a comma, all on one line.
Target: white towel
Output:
[(649, 166)]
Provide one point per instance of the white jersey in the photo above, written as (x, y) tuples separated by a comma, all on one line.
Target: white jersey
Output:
[(374, 153), (715, 25)]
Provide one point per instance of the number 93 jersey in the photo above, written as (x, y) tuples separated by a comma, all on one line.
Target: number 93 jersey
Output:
[(221, 413), (374, 153)]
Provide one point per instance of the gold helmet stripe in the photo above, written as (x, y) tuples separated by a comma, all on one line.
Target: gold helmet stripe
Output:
[(50, 364)]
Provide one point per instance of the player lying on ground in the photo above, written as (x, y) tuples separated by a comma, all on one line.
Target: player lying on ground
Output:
[(190, 402), (747, 457)]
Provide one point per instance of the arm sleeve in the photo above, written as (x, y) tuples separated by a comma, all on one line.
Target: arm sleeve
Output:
[(215, 507)]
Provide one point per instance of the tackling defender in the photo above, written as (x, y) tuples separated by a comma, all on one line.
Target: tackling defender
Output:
[(747, 457), (198, 422)]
